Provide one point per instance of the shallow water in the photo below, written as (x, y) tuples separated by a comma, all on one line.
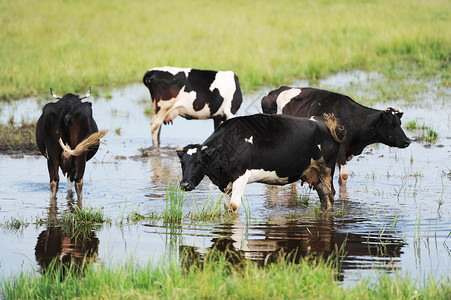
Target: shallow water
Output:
[(395, 212)]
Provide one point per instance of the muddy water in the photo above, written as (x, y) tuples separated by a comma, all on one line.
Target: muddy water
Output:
[(395, 212)]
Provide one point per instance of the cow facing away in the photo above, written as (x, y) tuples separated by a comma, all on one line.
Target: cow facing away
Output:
[(192, 94), (67, 135), (271, 149), (363, 125)]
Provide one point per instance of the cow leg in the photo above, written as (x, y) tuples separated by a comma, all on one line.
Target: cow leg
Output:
[(69, 184), (325, 196), (238, 187), (343, 176), (325, 189), (155, 126), (52, 165), (79, 189), (319, 175), (80, 164)]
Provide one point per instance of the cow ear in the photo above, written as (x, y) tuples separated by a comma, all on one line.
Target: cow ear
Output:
[(399, 113), (180, 152)]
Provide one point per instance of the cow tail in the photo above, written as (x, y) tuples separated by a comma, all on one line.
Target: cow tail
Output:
[(336, 129), (93, 139)]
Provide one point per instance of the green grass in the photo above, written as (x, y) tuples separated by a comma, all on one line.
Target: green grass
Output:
[(427, 134), (413, 125), (77, 223), (70, 45), (217, 277), (175, 197), (211, 209)]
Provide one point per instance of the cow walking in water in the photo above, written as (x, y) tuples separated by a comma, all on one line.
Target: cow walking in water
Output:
[(67, 135), (192, 94), (271, 149), (363, 125)]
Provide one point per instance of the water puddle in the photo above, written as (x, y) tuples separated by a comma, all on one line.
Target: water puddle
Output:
[(394, 214)]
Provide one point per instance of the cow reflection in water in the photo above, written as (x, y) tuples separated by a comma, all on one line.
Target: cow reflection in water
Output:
[(298, 239), (63, 247), (56, 245)]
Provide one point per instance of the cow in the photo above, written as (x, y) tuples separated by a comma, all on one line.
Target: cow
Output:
[(67, 135), (363, 125), (192, 94), (271, 149)]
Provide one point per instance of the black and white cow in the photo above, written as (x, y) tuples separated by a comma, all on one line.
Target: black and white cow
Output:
[(192, 94), (363, 125), (67, 135), (271, 149)]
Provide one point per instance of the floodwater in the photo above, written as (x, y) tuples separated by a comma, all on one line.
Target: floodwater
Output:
[(394, 215)]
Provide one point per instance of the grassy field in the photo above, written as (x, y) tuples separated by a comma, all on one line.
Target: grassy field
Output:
[(216, 278), (70, 45)]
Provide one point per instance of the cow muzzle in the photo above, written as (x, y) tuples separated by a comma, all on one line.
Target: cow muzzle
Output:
[(405, 143), (186, 186)]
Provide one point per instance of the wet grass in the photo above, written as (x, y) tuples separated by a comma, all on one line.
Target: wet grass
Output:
[(175, 197), (77, 223), (14, 224), (18, 138), (72, 45), (211, 209), (217, 277), (427, 134)]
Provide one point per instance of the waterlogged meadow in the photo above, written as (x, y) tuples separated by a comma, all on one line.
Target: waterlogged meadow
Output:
[(388, 235), (137, 235)]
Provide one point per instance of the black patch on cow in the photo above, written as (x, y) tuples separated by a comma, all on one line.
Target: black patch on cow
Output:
[(200, 81), (163, 85), (237, 97)]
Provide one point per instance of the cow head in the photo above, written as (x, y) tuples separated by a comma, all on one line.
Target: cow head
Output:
[(388, 129), (79, 97), (194, 159)]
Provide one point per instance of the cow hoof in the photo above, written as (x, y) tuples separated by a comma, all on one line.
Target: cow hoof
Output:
[(53, 189), (235, 207), (342, 179)]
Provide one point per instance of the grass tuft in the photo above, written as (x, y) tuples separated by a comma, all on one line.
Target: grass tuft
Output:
[(175, 197), (212, 209)]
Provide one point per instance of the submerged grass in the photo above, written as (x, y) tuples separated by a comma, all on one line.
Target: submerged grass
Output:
[(215, 278), (70, 45)]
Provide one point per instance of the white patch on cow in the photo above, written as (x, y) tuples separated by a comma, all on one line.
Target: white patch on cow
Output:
[(312, 118), (191, 151), (172, 70), (182, 105), (285, 97), (268, 177), (250, 176), (250, 140), (225, 83)]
